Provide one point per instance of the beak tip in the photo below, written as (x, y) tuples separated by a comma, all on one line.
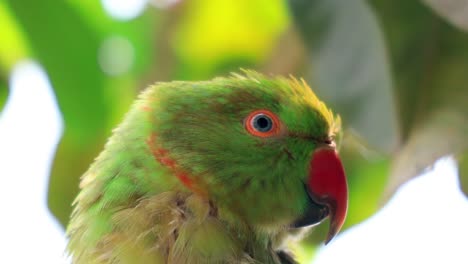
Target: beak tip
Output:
[(333, 230), (337, 218)]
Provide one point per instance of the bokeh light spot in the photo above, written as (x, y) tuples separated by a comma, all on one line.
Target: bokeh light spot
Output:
[(124, 9), (116, 55)]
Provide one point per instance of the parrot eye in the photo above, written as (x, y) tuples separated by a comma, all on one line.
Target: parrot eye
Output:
[(262, 123)]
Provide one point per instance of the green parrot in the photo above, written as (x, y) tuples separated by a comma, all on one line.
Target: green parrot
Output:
[(220, 171)]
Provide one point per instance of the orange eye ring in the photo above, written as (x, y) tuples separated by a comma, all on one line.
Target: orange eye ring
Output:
[(262, 123)]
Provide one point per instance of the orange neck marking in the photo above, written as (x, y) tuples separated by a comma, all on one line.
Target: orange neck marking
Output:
[(161, 155)]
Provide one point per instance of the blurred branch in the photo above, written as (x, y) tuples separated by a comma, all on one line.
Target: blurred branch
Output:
[(289, 55), (164, 58), (454, 11), (430, 65)]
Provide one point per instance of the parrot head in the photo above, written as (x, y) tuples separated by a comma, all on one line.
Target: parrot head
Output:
[(262, 150)]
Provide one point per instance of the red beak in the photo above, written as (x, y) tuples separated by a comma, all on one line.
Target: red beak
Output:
[(327, 186)]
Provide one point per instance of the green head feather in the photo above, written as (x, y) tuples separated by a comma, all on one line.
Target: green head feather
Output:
[(259, 179)]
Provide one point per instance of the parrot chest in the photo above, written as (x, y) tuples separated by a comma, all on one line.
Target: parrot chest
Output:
[(175, 227)]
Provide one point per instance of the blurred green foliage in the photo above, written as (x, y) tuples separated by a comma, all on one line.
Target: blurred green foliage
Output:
[(348, 67), (395, 70), (12, 48), (3, 92), (219, 36)]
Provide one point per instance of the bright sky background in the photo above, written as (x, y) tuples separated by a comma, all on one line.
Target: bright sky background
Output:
[(425, 222)]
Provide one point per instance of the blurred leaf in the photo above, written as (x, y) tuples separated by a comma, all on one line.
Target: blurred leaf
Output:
[(218, 36), (305, 252), (430, 62), (138, 31), (349, 67), (463, 171), (455, 11), (3, 92), (67, 48), (367, 173), (13, 48), (121, 90), (13, 45), (288, 56)]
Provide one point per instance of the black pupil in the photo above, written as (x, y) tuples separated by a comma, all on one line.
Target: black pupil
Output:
[(262, 123)]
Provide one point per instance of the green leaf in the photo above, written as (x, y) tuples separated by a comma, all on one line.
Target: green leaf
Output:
[(454, 11), (139, 31), (430, 65), (3, 92), (67, 47), (67, 38), (463, 171), (13, 48), (13, 44), (349, 68)]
